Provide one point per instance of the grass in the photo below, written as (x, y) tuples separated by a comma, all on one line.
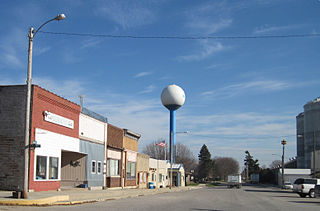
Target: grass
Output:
[(213, 184), (193, 184)]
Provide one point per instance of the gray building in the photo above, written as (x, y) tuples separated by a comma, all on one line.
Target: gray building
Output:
[(93, 135), (308, 136)]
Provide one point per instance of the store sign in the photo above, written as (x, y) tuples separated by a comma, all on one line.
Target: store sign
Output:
[(59, 120)]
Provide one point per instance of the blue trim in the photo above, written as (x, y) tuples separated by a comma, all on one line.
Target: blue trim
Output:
[(94, 115)]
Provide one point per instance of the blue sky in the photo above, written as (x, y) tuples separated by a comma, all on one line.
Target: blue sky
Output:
[(241, 94)]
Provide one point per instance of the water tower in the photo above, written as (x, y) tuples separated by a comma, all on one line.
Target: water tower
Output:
[(172, 97)]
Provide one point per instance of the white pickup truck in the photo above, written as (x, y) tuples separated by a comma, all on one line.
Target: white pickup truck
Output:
[(305, 187), (234, 181)]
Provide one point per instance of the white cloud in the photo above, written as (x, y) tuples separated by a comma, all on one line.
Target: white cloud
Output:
[(148, 89), (270, 29), (248, 87), (142, 74), (89, 43), (40, 50), (208, 18), (208, 48), (208, 26), (11, 44), (127, 14), (69, 89)]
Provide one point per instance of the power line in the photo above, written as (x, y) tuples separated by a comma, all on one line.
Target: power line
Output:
[(183, 37)]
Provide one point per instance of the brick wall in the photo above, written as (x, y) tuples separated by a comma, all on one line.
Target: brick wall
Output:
[(113, 182), (115, 136), (12, 129), (130, 143), (44, 100)]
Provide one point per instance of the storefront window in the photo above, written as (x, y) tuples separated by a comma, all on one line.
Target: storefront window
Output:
[(53, 168), (41, 171), (113, 168), (131, 170)]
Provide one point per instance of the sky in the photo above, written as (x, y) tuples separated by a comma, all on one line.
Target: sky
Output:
[(241, 94)]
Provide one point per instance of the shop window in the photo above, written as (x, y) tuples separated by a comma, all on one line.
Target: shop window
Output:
[(160, 177), (99, 167), (93, 166), (131, 170), (53, 167), (152, 176), (41, 171), (113, 168)]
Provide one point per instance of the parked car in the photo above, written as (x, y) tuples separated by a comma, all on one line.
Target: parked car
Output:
[(288, 185), (305, 187)]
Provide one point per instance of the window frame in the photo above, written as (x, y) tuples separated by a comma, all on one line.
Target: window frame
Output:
[(130, 172), (99, 169), (45, 168), (50, 167), (115, 161), (95, 167)]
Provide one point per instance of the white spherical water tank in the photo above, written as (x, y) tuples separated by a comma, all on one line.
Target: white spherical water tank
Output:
[(173, 97)]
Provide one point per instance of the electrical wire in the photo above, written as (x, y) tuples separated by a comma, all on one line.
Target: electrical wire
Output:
[(182, 37)]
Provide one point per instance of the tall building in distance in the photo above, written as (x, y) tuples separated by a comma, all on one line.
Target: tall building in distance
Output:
[(308, 136)]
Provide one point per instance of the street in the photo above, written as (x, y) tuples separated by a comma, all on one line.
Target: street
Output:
[(207, 198)]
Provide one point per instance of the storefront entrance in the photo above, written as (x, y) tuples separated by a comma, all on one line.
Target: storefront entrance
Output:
[(73, 169)]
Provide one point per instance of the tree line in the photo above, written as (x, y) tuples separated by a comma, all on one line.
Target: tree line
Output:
[(204, 169)]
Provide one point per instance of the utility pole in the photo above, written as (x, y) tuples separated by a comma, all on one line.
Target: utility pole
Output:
[(247, 165), (283, 142), (314, 153)]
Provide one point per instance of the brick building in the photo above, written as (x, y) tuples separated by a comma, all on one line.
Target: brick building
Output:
[(54, 125)]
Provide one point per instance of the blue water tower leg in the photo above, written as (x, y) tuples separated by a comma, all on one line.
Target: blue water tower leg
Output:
[(173, 132)]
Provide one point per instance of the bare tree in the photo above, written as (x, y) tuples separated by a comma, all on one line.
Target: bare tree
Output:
[(275, 164), (224, 166), (183, 154), (155, 151)]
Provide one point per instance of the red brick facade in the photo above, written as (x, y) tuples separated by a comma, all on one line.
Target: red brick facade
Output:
[(44, 100)]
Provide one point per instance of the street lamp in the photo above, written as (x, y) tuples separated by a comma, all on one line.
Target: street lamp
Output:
[(283, 142), (31, 35)]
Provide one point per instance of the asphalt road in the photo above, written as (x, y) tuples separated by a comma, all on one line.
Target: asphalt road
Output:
[(205, 199)]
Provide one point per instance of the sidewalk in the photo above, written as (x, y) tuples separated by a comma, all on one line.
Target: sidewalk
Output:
[(80, 196)]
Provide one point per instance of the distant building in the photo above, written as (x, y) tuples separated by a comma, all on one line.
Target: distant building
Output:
[(142, 170), (290, 175), (308, 136)]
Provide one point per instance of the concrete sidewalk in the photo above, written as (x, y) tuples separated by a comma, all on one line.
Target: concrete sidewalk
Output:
[(80, 196)]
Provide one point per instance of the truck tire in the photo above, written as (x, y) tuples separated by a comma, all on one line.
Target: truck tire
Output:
[(312, 194)]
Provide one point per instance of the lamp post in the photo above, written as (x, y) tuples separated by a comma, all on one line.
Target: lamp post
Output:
[(172, 97), (283, 142), (31, 35)]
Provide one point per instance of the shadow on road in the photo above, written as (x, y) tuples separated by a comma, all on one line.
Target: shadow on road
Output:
[(307, 202), (286, 196), (266, 191), (205, 209)]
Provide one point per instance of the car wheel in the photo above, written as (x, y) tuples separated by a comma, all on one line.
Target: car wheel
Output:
[(312, 194)]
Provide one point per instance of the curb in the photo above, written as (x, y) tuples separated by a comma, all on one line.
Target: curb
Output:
[(35, 202), (64, 200)]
